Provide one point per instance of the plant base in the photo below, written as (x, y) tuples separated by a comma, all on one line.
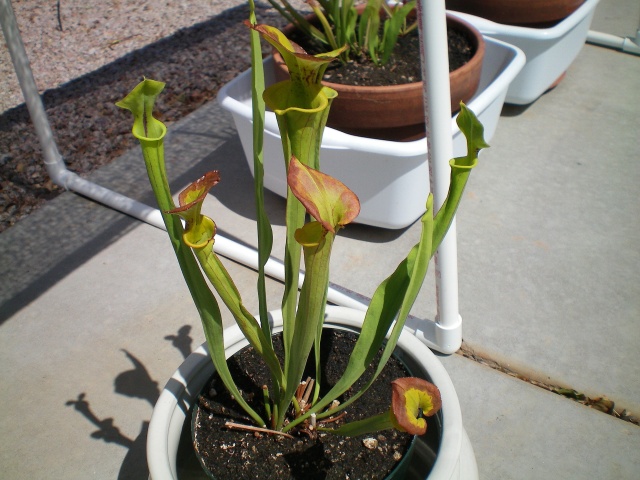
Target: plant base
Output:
[(229, 453), (170, 453)]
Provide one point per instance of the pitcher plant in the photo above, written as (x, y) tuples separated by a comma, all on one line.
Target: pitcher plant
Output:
[(301, 105)]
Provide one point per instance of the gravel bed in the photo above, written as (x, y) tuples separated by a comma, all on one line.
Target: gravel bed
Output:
[(181, 43)]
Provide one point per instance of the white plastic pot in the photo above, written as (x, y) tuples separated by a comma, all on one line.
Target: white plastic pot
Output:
[(549, 51), (453, 460), (391, 179)]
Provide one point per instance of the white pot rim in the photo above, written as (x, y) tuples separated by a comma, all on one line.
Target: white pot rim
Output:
[(177, 396)]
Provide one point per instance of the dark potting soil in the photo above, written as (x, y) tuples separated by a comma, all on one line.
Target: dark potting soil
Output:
[(404, 65), (243, 455)]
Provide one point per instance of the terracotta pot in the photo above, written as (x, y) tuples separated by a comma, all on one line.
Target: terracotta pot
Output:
[(517, 12), (389, 177), (396, 112)]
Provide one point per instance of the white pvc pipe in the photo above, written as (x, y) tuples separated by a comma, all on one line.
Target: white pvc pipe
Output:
[(60, 175), (437, 96), (624, 44)]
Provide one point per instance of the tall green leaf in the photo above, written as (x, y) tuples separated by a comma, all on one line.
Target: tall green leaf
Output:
[(150, 132), (265, 233)]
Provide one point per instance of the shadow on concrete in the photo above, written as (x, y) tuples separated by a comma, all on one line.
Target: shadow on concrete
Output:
[(69, 230), (50, 244), (66, 231), (134, 383), (514, 110)]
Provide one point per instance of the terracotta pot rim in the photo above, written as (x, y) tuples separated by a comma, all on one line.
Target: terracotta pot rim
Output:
[(528, 13), (357, 108), (474, 36)]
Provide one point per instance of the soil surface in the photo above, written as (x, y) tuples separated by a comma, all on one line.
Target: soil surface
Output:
[(236, 454), (402, 67)]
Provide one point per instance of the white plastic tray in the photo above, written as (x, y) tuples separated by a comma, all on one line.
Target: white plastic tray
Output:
[(549, 51), (391, 179)]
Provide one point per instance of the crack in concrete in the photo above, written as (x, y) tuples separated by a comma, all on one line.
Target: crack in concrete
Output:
[(601, 403)]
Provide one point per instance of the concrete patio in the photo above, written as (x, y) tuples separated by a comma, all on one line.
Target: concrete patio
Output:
[(95, 317)]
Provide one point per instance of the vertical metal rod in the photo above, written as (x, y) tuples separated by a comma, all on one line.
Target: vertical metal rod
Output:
[(52, 158)]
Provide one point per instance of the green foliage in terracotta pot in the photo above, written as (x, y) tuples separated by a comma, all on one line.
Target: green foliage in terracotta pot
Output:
[(374, 32), (301, 105)]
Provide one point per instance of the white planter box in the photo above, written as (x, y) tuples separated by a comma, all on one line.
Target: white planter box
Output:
[(455, 458), (549, 51), (391, 179)]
